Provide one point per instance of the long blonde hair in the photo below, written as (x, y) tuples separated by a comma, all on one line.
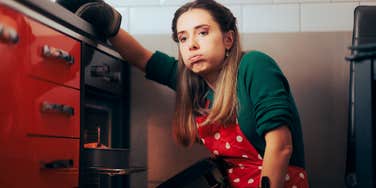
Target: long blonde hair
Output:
[(192, 89)]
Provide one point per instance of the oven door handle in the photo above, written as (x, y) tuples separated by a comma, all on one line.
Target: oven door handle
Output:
[(62, 108), (113, 77), (49, 51), (104, 71)]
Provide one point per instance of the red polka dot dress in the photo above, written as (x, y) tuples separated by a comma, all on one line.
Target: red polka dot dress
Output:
[(244, 160)]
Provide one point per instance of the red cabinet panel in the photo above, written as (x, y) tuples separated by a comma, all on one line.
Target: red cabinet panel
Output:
[(13, 55), (27, 80), (54, 109), (55, 162), (54, 56), (15, 154)]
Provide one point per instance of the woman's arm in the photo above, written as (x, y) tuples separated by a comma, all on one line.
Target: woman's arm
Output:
[(130, 49), (277, 155)]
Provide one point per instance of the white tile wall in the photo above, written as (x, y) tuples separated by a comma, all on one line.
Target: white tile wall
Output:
[(150, 20), (314, 1), (172, 2), (133, 2), (327, 16), (124, 18), (238, 13), (271, 18), (154, 16), (286, 1), (373, 3), (344, 0), (247, 1)]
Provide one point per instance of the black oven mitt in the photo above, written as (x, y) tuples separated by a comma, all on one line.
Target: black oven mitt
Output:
[(73, 5), (105, 19)]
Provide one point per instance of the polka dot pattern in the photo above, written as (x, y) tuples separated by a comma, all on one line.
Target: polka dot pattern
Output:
[(216, 152), (217, 136), (287, 178), (239, 138), (230, 170), (251, 180), (228, 146), (244, 159)]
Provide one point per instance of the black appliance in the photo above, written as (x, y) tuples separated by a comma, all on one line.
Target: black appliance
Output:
[(104, 145), (361, 147)]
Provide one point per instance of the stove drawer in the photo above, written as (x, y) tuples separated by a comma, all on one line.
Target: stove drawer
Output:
[(53, 110), (54, 56), (55, 162)]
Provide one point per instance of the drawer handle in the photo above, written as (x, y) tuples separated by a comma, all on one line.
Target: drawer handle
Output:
[(49, 107), (52, 52), (8, 34), (105, 72), (57, 164)]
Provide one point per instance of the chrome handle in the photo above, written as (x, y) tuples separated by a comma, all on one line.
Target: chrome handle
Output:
[(113, 77), (52, 52), (105, 72), (49, 107), (8, 34), (57, 164), (99, 70)]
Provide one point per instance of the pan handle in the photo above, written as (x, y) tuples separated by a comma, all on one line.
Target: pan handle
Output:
[(117, 172)]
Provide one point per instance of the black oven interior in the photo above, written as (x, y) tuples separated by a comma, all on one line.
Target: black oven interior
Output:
[(104, 143), (98, 126)]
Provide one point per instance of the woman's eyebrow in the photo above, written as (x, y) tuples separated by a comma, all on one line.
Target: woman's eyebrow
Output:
[(196, 27)]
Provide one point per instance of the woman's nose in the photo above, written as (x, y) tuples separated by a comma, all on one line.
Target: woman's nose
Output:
[(193, 45)]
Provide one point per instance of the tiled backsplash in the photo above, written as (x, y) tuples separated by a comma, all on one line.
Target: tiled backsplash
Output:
[(254, 16)]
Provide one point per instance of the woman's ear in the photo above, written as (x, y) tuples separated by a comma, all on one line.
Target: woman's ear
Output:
[(228, 39)]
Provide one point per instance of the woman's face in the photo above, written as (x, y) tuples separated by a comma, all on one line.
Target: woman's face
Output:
[(201, 42)]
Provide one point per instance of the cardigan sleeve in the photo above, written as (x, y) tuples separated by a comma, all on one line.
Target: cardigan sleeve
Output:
[(268, 90), (162, 69)]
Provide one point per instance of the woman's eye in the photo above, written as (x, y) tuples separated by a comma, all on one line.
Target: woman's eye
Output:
[(182, 39), (203, 33)]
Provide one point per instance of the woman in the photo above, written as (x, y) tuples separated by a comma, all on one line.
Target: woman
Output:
[(239, 105)]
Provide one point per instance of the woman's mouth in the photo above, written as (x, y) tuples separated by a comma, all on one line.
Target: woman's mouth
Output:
[(195, 58)]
